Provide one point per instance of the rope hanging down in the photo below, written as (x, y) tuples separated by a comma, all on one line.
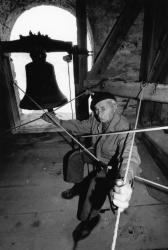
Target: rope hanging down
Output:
[(68, 59), (126, 173)]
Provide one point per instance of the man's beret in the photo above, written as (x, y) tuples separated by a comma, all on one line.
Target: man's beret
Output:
[(100, 96)]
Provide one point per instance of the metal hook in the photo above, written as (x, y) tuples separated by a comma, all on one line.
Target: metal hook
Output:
[(155, 87)]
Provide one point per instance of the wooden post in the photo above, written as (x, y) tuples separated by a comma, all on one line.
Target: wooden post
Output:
[(8, 106), (154, 55), (115, 38), (80, 61), (146, 58)]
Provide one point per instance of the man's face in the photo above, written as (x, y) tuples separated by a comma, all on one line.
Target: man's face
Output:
[(105, 109)]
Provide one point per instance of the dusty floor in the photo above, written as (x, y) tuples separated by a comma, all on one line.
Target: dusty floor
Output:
[(33, 215)]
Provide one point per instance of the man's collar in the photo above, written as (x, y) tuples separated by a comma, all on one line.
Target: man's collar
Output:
[(116, 118)]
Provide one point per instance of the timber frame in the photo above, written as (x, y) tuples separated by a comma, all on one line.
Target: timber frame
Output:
[(151, 91), (154, 57)]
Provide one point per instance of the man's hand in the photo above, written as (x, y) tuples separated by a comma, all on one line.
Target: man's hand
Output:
[(122, 194), (49, 117)]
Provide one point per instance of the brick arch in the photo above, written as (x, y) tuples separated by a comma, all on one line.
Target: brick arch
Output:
[(11, 13)]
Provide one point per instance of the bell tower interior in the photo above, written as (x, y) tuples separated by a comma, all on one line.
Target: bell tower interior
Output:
[(119, 47)]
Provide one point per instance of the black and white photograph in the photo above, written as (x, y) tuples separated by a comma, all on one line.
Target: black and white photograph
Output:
[(83, 125)]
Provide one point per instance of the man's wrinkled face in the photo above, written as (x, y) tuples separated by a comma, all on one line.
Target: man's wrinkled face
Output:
[(105, 110)]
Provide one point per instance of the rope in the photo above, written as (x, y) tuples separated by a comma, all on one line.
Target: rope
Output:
[(58, 124), (125, 176), (70, 89), (16, 127), (152, 183), (130, 131)]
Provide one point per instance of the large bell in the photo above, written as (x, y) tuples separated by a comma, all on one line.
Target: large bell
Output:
[(42, 87)]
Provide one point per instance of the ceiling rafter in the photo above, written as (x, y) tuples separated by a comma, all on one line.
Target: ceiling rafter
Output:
[(115, 38), (152, 91)]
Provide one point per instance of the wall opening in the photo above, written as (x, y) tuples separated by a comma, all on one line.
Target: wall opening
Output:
[(58, 24)]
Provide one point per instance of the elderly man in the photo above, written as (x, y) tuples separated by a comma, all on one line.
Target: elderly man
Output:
[(111, 150)]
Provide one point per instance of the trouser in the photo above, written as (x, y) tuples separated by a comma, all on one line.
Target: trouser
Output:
[(93, 189)]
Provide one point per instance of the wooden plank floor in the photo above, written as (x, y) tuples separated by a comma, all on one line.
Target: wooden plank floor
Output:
[(33, 216)]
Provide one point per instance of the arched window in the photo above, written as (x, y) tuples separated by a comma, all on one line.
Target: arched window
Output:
[(58, 24)]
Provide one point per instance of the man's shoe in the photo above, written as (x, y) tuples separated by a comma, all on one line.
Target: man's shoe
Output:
[(84, 229), (70, 193)]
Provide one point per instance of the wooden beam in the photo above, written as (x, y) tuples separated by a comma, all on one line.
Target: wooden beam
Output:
[(27, 43), (8, 99), (148, 27), (151, 92), (155, 42), (150, 111), (80, 61), (159, 68), (115, 38)]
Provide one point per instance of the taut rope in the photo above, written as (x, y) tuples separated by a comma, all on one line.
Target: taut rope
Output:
[(126, 174)]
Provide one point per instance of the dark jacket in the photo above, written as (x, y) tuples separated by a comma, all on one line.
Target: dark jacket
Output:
[(106, 146)]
